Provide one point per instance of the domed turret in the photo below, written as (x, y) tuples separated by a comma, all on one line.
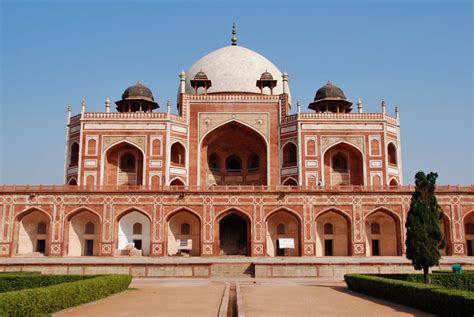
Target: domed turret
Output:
[(330, 98), (137, 98)]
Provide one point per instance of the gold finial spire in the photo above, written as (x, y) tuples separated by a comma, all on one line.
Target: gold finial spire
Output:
[(234, 38)]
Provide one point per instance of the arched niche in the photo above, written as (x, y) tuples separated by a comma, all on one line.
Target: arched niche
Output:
[(282, 224), (233, 154), (233, 229), (343, 165), (33, 233), (382, 230), (127, 235), (183, 225), (336, 242), (123, 165), (83, 234)]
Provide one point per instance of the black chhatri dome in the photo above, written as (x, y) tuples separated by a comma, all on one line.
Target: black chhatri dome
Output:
[(329, 91), (138, 91)]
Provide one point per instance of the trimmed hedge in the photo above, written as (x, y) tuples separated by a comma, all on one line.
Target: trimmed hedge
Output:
[(46, 300), (16, 282), (435, 299), (459, 281)]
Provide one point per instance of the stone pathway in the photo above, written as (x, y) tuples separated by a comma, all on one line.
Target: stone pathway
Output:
[(170, 300), (261, 297), (310, 300)]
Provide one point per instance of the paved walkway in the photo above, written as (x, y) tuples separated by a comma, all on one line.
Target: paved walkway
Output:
[(310, 300), (157, 299), (261, 297)]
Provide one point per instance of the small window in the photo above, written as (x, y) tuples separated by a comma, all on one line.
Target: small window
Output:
[(375, 228), (137, 228), (41, 229), (127, 163), (289, 155), (392, 154), (233, 163), (281, 228), (469, 228), (339, 162), (90, 228), (328, 228), (178, 154), (74, 154), (185, 228)]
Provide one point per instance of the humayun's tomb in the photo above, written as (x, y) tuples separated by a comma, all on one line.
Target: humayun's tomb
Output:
[(235, 176)]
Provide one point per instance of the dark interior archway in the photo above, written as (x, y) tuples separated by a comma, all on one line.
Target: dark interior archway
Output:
[(233, 235)]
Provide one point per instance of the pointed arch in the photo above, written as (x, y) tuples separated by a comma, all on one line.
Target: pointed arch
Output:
[(392, 153), (288, 219), (179, 209), (339, 242), (122, 213), (29, 210), (283, 208), (77, 210), (174, 181), (175, 235), (227, 211), (289, 154), (178, 153), (356, 172), (290, 181), (104, 163), (72, 181), (387, 242)]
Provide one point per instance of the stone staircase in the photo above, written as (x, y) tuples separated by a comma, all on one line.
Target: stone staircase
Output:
[(232, 270)]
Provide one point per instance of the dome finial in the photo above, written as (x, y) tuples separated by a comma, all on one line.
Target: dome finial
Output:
[(234, 38)]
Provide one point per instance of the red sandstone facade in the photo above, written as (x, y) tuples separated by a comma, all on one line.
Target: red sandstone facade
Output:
[(233, 173)]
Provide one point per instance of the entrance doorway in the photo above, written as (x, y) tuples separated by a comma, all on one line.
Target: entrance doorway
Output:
[(233, 235), (89, 251)]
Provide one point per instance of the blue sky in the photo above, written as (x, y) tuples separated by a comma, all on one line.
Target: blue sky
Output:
[(414, 54)]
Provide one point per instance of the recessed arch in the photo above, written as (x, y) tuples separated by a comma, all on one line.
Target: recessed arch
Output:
[(178, 153), (286, 209), (233, 231), (80, 240), (247, 141), (290, 181), (177, 181), (179, 209), (289, 154), (392, 155), (290, 222), (175, 235), (467, 227), (445, 226), (126, 238), (77, 210), (72, 181), (339, 242), (74, 154), (32, 231), (393, 182), (109, 164), (355, 160), (388, 240)]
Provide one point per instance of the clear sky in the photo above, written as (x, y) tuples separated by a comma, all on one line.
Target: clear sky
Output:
[(414, 54)]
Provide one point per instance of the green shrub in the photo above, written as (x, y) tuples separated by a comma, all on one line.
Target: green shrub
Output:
[(15, 282), (431, 298), (463, 281), (46, 300)]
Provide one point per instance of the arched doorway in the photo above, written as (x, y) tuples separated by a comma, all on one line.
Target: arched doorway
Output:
[(123, 165), (333, 234), (83, 234), (343, 165), (233, 154), (469, 233), (382, 234), (282, 225), (33, 233), (134, 230), (234, 234), (445, 226), (184, 233)]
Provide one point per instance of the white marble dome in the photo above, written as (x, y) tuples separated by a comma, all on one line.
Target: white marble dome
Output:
[(234, 69)]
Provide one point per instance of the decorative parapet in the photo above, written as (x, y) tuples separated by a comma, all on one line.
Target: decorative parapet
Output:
[(233, 97), (228, 188)]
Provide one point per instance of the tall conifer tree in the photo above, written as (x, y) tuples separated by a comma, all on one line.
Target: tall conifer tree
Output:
[(424, 236)]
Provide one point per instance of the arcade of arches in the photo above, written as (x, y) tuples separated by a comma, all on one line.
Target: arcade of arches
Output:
[(233, 233)]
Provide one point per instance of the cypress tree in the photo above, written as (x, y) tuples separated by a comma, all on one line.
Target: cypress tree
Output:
[(424, 236)]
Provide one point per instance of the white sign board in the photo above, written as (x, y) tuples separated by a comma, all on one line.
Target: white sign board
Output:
[(286, 243), (185, 244)]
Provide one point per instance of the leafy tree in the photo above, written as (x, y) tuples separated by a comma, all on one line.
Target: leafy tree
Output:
[(424, 236)]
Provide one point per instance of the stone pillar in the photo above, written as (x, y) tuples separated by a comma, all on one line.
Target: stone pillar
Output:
[(107, 105), (83, 105), (308, 247), (384, 107), (359, 106), (107, 245), (285, 82), (182, 82), (157, 232)]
